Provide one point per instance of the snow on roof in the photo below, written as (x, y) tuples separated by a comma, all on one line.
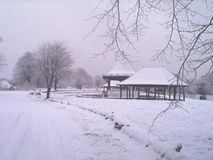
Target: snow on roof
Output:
[(4, 84), (112, 84), (152, 76), (121, 69)]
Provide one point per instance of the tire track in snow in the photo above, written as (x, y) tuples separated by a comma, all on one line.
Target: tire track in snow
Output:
[(14, 143)]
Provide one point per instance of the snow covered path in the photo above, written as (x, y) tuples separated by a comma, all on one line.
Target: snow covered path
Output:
[(42, 130)]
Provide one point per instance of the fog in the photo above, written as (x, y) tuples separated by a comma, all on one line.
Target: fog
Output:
[(26, 24)]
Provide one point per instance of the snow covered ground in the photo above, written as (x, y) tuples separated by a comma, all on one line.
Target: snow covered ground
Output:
[(68, 128)]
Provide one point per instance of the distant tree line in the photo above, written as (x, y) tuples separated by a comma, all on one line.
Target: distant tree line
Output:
[(201, 86), (51, 66), (2, 58), (79, 79)]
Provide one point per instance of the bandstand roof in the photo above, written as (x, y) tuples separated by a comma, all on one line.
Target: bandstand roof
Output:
[(152, 76), (121, 69)]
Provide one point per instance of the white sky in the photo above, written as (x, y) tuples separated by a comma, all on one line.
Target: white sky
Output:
[(25, 24)]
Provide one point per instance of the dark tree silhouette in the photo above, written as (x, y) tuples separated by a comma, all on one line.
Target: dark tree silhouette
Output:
[(25, 68)]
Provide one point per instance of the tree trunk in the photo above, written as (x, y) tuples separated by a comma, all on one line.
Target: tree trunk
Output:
[(38, 82), (49, 86), (48, 93), (55, 83)]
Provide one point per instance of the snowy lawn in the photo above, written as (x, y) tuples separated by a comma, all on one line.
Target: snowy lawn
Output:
[(192, 129), (69, 128)]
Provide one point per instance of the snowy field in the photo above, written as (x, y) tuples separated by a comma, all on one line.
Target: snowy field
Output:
[(67, 127)]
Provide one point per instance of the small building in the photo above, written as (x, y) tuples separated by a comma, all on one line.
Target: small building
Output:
[(153, 83), (120, 72), (114, 85)]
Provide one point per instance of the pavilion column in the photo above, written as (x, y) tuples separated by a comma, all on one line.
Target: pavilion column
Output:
[(174, 94), (164, 92), (108, 86), (120, 91), (169, 92), (158, 93), (148, 92), (138, 92), (179, 93), (133, 92), (127, 92), (183, 93)]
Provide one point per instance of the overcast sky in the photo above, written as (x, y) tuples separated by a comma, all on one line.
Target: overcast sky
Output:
[(25, 24)]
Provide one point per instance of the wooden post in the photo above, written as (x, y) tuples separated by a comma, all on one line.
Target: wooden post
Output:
[(133, 92), (108, 86), (183, 93), (138, 92), (169, 92), (174, 94), (179, 92), (120, 91), (129, 92), (164, 93), (158, 94), (148, 89)]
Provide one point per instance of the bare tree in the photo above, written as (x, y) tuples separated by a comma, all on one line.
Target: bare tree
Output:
[(64, 64), (82, 79), (2, 61), (98, 81), (25, 69), (209, 78), (53, 59), (189, 24), (2, 58), (62, 77), (38, 79)]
